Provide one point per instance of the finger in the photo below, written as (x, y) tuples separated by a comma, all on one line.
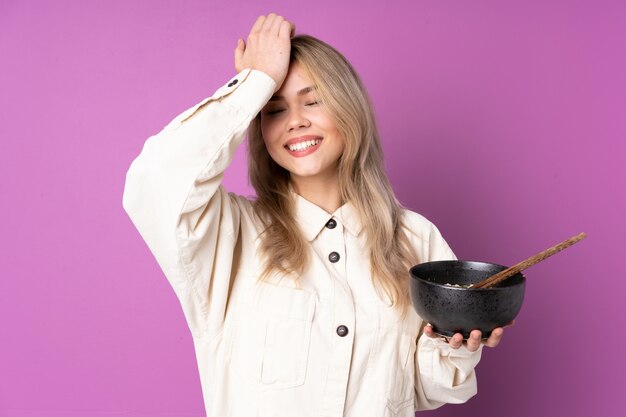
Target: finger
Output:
[(473, 342), (456, 341), (269, 20), (287, 29), (258, 24), (495, 337), (428, 331), (277, 22), (241, 46)]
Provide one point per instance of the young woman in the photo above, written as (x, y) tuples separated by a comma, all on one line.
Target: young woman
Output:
[(298, 301)]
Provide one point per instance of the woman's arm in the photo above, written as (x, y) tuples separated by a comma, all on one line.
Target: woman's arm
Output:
[(173, 193), (444, 373), (445, 366), (174, 198)]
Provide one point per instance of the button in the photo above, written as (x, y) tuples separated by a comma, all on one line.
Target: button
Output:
[(342, 331), (333, 257), (331, 224), (233, 82)]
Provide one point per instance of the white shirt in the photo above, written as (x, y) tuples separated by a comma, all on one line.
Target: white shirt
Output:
[(276, 349)]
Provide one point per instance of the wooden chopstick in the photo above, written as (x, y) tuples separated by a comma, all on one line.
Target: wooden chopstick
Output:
[(517, 268)]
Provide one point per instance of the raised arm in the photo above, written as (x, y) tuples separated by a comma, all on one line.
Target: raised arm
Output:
[(173, 190)]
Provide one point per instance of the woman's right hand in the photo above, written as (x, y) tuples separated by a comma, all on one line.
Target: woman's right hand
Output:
[(267, 48)]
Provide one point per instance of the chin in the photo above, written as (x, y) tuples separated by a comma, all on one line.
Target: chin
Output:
[(306, 171), (303, 174)]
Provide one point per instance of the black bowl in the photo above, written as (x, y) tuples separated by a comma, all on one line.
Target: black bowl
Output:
[(453, 310)]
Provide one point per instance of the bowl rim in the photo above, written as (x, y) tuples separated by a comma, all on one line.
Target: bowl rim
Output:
[(450, 287)]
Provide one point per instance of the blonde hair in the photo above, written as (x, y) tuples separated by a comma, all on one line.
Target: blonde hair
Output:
[(362, 179)]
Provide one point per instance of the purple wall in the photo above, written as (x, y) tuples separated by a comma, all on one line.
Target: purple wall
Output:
[(503, 121)]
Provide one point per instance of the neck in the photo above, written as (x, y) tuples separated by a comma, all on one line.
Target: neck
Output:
[(323, 192)]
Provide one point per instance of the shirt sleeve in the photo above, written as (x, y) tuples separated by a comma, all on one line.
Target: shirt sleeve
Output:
[(443, 375), (174, 197)]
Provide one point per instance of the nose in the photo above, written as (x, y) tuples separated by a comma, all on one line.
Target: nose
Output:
[(297, 120)]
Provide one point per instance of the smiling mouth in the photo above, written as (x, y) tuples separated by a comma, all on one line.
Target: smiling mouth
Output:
[(303, 146)]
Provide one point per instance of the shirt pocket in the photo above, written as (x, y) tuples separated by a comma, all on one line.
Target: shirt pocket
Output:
[(395, 354), (400, 408), (273, 336)]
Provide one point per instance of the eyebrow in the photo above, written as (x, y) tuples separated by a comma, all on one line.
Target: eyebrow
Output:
[(302, 92)]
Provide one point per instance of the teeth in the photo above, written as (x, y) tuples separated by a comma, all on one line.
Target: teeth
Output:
[(303, 145)]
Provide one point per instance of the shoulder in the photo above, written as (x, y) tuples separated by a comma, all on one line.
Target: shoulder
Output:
[(425, 237), (246, 203), (248, 209), (417, 225)]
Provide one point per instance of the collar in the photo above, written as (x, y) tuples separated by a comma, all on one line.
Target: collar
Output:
[(312, 219)]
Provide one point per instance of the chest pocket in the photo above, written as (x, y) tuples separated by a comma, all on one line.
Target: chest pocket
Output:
[(273, 335)]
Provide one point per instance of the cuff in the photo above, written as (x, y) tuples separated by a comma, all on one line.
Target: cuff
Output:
[(445, 366), (249, 91)]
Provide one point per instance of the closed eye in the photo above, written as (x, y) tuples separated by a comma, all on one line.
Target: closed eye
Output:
[(278, 110)]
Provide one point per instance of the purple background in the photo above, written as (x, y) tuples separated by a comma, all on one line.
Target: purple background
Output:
[(504, 122)]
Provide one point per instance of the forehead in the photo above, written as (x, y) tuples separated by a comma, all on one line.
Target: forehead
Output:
[(296, 80)]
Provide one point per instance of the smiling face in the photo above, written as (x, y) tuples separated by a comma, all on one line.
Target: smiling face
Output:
[(298, 132)]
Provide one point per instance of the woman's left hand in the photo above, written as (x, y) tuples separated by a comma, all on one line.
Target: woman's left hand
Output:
[(473, 342)]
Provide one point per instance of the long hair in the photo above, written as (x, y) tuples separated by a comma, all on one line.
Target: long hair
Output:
[(362, 179)]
